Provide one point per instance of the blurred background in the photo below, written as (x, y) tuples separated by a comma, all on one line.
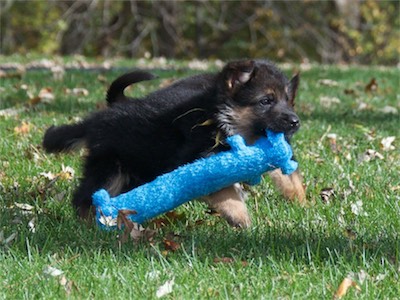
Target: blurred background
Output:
[(336, 31)]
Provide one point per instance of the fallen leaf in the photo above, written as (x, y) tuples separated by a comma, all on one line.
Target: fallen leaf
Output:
[(328, 82), (123, 220), (327, 102), (349, 91), (196, 64), (153, 275), (165, 289), (327, 194), (386, 143), (360, 276), (370, 155), (22, 129), (171, 245), (332, 137), (363, 106), (357, 208), (58, 72), (31, 225), (389, 110), (67, 284), (51, 271), (225, 260), (108, 221), (26, 209), (372, 86), (35, 100), (350, 234), (131, 229), (48, 175), (380, 277), (13, 111), (46, 95), (344, 287), (77, 92), (5, 241), (66, 173), (60, 196), (102, 78)]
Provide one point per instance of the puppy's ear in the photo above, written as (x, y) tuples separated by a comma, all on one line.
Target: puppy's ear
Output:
[(291, 88), (238, 73)]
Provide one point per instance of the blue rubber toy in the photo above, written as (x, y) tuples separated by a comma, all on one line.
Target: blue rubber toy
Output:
[(242, 163)]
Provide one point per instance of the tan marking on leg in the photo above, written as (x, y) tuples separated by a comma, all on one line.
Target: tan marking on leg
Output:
[(230, 204), (117, 183), (290, 186)]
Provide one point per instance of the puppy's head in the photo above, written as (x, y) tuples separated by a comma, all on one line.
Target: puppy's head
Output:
[(254, 95)]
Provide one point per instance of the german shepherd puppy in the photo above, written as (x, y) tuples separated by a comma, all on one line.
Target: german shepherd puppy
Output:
[(135, 140)]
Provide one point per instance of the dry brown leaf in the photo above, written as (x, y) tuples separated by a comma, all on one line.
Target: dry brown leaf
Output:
[(67, 173), (344, 287), (350, 234), (67, 284), (224, 260), (349, 91), (46, 95), (131, 229), (332, 137), (372, 86), (23, 129), (171, 245), (34, 101), (327, 194)]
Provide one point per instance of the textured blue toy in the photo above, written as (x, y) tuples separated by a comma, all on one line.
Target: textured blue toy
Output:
[(242, 163)]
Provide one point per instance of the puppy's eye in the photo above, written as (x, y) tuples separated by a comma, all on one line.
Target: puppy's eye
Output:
[(267, 100)]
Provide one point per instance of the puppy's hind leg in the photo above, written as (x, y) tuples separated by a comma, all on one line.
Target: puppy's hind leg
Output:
[(229, 202), (98, 173)]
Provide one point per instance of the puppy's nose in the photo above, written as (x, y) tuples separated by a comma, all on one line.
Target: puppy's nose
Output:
[(294, 122)]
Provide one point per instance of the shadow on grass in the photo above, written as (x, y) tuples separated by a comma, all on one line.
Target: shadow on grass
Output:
[(204, 243)]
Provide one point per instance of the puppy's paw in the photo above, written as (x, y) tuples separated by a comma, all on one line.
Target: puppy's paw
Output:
[(290, 186), (237, 219), (234, 212), (229, 203)]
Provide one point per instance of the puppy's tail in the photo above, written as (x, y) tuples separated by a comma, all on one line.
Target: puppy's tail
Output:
[(116, 91), (64, 138)]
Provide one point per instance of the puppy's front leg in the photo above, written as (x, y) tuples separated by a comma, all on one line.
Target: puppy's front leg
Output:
[(291, 186), (229, 202)]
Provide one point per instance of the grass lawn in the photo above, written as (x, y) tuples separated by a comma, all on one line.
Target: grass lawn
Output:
[(290, 252)]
